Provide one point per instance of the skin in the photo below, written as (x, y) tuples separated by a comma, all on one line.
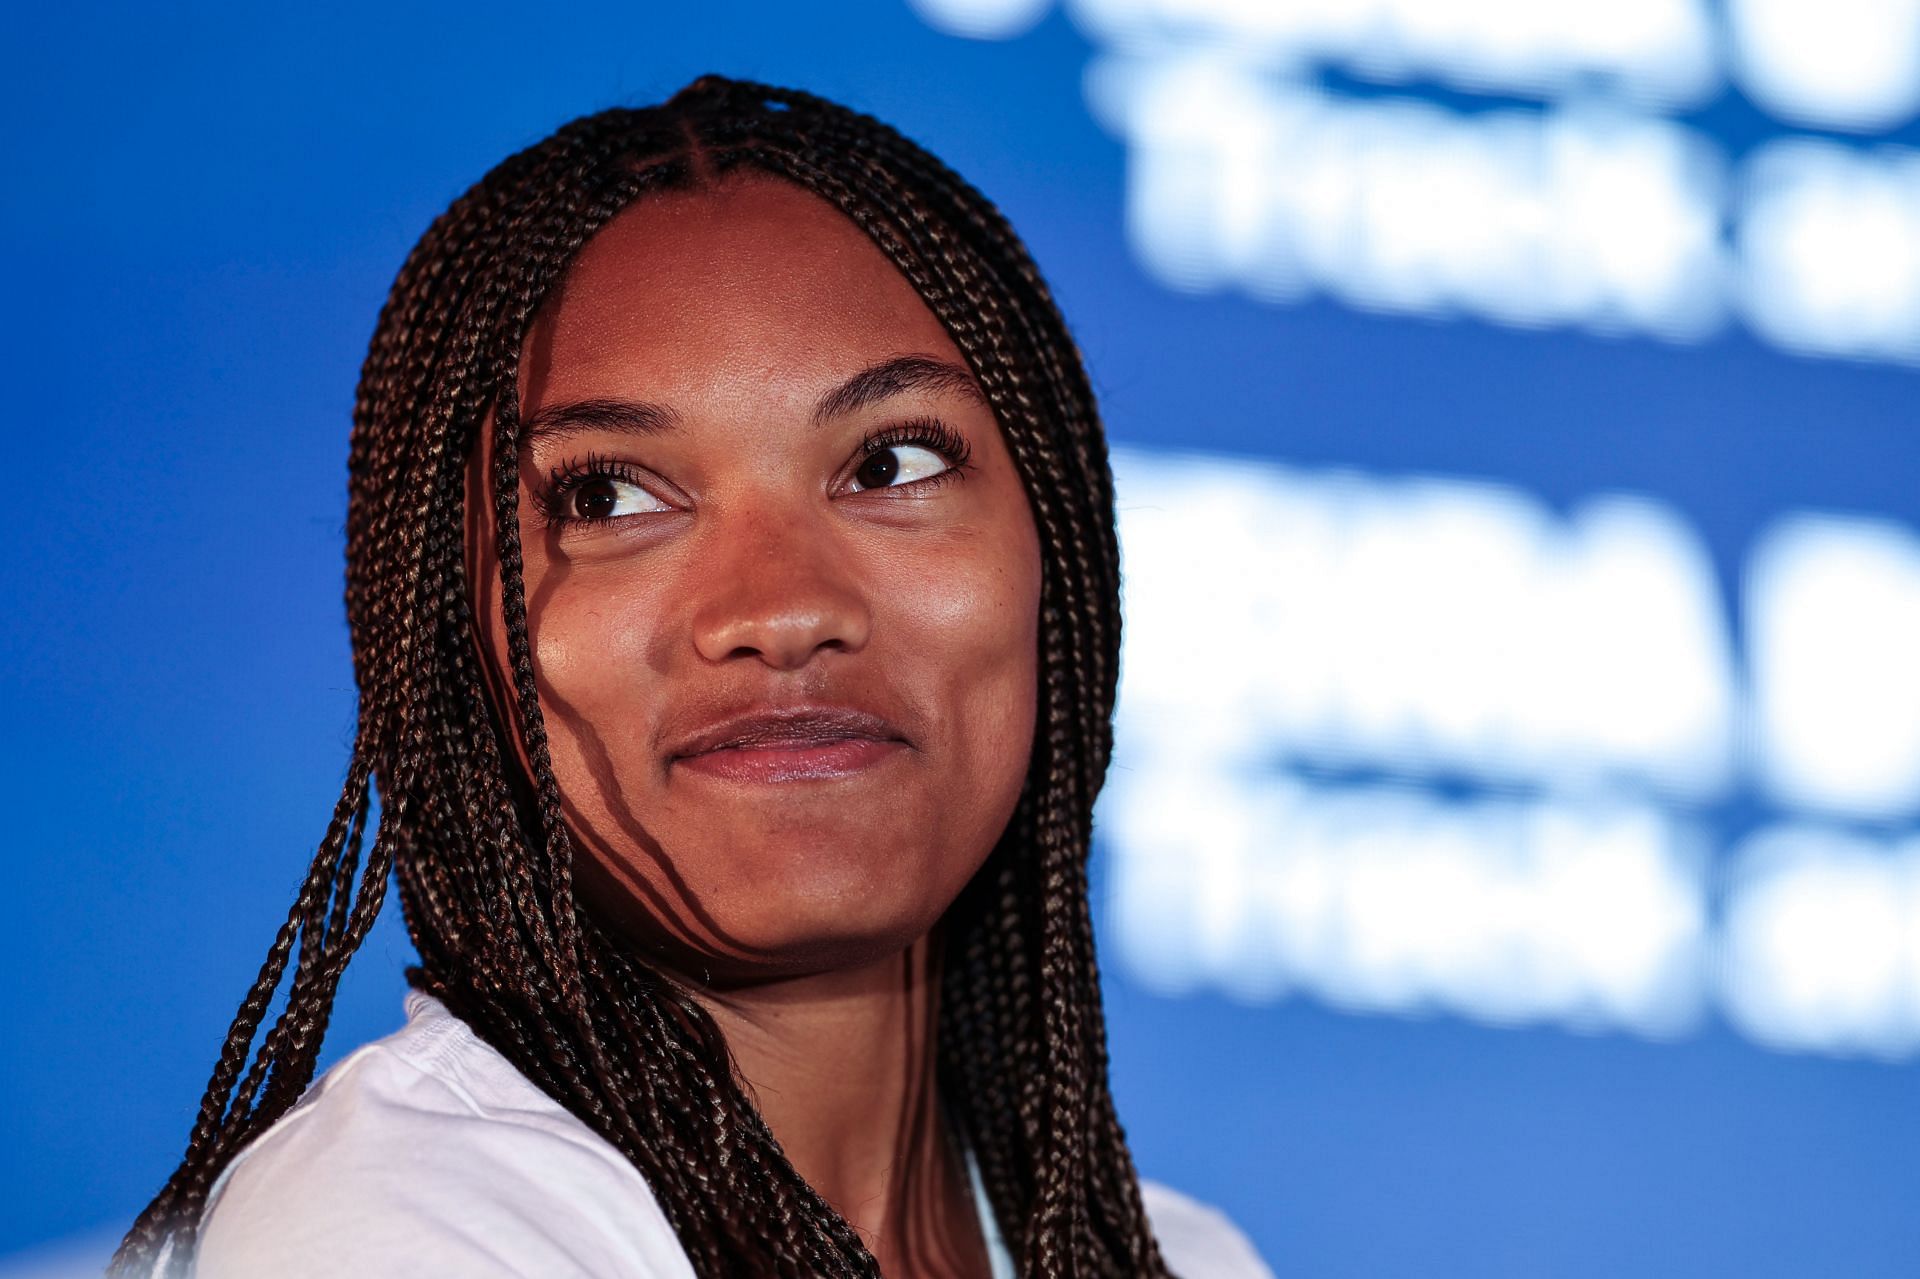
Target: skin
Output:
[(741, 561)]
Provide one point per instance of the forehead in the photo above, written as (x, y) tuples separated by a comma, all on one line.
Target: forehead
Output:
[(751, 279)]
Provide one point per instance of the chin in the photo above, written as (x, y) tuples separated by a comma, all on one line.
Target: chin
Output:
[(815, 914), (787, 910)]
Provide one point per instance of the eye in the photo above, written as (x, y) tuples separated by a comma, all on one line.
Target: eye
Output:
[(899, 464), (921, 454), (596, 491), (603, 497)]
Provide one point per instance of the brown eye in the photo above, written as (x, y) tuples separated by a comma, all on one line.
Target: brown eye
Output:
[(598, 497), (878, 471), (595, 499), (900, 464)]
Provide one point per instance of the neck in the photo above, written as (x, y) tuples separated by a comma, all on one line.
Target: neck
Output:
[(842, 1067)]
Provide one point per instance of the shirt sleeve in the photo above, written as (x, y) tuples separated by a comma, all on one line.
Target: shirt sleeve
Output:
[(351, 1188), (1198, 1241)]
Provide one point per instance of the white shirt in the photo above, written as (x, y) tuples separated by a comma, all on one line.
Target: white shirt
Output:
[(427, 1153)]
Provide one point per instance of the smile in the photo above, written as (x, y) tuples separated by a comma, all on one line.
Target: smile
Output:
[(815, 742), (793, 761)]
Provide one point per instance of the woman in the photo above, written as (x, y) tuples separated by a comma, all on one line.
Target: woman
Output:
[(734, 597)]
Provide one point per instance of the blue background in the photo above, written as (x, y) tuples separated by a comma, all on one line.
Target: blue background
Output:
[(203, 209)]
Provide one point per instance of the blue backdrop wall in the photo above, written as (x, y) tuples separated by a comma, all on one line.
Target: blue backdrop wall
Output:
[(1510, 865)]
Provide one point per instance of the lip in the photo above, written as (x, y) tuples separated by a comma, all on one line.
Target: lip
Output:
[(793, 743)]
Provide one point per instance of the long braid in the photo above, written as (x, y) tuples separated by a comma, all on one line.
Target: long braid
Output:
[(483, 855)]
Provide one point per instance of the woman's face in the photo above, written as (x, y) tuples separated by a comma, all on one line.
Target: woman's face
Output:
[(783, 585)]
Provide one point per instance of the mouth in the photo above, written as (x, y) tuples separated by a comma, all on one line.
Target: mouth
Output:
[(790, 745)]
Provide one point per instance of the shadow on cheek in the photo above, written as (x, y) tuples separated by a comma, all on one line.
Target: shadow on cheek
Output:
[(674, 912)]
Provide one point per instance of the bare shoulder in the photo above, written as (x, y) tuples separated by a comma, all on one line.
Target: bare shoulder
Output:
[(1197, 1240)]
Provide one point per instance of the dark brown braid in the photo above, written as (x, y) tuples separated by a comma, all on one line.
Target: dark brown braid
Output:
[(483, 857)]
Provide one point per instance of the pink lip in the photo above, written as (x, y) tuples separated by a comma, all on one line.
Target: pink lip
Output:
[(792, 761), (796, 743)]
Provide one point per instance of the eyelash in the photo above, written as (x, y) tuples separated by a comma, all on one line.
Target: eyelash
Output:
[(928, 432), (565, 479)]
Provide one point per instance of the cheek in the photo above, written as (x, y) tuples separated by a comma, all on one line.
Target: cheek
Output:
[(582, 643), (590, 645), (975, 626)]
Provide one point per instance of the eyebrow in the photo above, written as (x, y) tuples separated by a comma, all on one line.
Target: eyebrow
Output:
[(893, 377), (559, 420), (877, 382)]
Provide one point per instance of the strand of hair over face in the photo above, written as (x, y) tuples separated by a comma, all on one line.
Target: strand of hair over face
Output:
[(482, 856)]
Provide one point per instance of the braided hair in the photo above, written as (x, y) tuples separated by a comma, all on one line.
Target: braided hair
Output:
[(482, 855)]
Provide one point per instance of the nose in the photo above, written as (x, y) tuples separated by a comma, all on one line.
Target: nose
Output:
[(778, 589)]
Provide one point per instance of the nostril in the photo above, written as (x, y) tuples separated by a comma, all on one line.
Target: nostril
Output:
[(780, 609)]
